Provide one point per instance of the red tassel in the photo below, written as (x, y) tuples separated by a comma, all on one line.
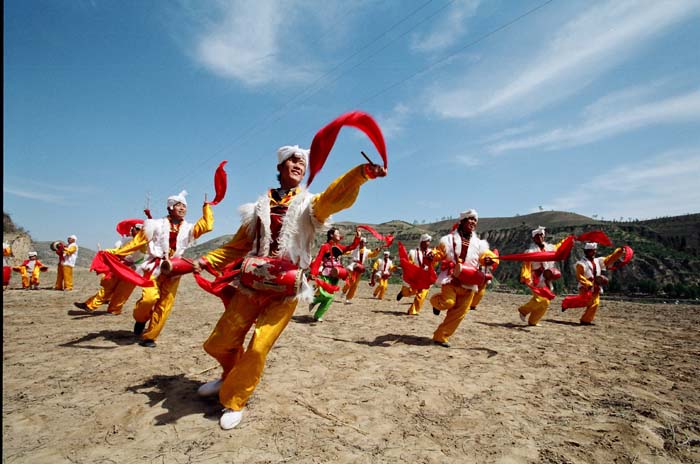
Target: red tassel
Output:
[(325, 139)]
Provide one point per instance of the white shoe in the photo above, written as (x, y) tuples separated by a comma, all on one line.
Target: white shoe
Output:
[(347, 301), (230, 419), (210, 388), (522, 317)]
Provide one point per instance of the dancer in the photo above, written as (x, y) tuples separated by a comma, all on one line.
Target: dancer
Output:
[(275, 237), (67, 256), (589, 274), (161, 240), (423, 257), (328, 270), (382, 269), (357, 268), (538, 276), (461, 253), (29, 270)]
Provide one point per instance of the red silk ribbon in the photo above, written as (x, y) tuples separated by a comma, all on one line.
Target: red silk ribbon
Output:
[(629, 253), (597, 236), (325, 139), (124, 227), (112, 266), (388, 239), (415, 276), (220, 184)]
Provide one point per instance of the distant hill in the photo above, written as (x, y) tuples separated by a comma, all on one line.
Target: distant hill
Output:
[(666, 262)]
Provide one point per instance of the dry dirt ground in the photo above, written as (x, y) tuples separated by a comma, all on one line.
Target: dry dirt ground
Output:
[(365, 386)]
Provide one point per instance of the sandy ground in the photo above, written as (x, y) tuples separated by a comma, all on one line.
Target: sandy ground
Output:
[(366, 385)]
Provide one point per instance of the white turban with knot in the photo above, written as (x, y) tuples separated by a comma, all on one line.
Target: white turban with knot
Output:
[(470, 213), (287, 151), (179, 198), (425, 238), (590, 246), (539, 230), (75, 239), (31, 253)]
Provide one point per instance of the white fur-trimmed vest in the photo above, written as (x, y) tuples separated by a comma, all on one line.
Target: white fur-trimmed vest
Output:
[(158, 234), (297, 234), (452, 244)]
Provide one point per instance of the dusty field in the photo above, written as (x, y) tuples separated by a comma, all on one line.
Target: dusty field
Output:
[(366, 385)]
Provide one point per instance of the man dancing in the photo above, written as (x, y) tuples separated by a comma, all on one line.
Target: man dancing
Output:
[(422, 257), (356, 268)]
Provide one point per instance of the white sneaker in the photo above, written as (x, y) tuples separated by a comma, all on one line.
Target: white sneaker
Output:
[(230, 418), (210, 388), (522, 317)]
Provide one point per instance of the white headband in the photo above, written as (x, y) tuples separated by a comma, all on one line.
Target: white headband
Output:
[(179, 198), (73, 237), (539, 230), (425, 238), (287, 151), (470, 213), (590, 246)]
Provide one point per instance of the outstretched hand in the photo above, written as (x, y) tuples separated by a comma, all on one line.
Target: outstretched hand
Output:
[(375, 170)]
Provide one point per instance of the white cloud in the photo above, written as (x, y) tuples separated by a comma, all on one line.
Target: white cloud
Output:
[(611, 121), (448, 31), (665, 185), (34, 195), (393, 124), (467, 160), (255, 43), (576, 54)]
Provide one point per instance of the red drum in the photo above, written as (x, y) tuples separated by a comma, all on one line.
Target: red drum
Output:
[(176, 267), (386, 275), (488, 276), (468, 275), (339, 273), (359, 268), (6, 274), (551, 274), (601, 280), (271, 274)]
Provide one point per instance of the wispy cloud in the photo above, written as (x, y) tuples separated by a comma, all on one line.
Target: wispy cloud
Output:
[(613, 121), (578, 53), (393, 124), (467, 160), (255, 43), (447, 32), (34, 195), (662, 186)]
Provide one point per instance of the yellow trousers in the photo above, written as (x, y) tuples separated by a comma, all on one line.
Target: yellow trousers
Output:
[(64, 278), (113, 291), (350, 287), (29, 279), (456, 300), (380, 288), (535, 309), (155, 305), (589, 314), (242, 368), (418, 300), (477, 297)]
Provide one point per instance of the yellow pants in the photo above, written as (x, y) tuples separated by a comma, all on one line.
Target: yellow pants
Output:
[(380, 289), (589, 314), (351, 286), (535, 309), (477, 297), (155, 305), (456, 300), (28, 279), (242, 368), (113, 291), (64, 278), (418, 300)]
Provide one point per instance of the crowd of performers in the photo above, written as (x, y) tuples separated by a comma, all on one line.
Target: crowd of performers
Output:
[(269, 267)]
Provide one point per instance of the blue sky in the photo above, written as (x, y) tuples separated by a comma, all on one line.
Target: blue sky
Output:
[(502, 106)]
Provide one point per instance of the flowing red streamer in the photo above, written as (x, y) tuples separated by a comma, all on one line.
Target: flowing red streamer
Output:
[(577, 301), (110, 265), (415, 276), (220, 184), (124, 227), (597, 236), (388, 239), (560, 254), (629, 253), (325, 139)]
